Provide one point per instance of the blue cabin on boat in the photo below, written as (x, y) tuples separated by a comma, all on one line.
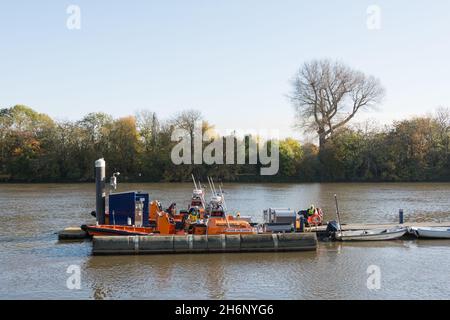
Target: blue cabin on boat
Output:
[(129, 208)]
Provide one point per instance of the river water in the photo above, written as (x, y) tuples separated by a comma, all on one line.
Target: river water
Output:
[(33, 264)]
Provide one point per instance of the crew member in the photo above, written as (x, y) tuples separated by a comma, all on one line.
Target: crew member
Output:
[(193, 215), (311, 211), (172, 209), (308, 212)]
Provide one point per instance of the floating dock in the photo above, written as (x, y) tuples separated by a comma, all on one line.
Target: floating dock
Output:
[(204, 243), (321, 230), (72, 233), (75, 233), (276, 242), (363, 226)]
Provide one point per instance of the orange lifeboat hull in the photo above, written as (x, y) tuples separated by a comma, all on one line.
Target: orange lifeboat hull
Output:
[(229, 225), (114, 230)]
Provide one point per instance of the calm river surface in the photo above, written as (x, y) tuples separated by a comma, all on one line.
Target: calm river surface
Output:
[(33, 263)]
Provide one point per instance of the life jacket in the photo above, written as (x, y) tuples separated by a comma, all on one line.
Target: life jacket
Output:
[(193, 217), (316, 218)]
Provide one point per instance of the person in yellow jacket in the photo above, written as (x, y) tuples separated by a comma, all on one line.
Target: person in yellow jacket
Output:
[(193, 215), (311, 210)]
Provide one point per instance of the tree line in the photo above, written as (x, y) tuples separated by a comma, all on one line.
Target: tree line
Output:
[(326, 96), (36, 148)]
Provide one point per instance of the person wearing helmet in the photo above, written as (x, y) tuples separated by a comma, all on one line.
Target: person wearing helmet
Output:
[(193, 214), (307, 213), (311, 210)]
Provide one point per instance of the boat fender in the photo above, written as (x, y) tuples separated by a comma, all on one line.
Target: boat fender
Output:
[(275, 240), (136, 243), (190, 239)]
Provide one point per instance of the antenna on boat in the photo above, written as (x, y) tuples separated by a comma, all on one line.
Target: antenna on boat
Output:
[(223, 198), (214, 186), (203, 194), (337, 213), (210, 185), (224, 206), (193, 179)]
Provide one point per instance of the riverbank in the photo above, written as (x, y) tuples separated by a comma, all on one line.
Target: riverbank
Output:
[(259, 180)]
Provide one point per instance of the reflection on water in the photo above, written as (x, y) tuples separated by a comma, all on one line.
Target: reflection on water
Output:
[(33, 264)]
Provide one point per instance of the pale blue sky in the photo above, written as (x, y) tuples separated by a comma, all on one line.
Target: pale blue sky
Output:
[(230, 59)]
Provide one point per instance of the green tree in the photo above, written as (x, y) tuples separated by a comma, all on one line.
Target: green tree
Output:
[(94, 130), (124, 147), (26, 136), (291, 155)]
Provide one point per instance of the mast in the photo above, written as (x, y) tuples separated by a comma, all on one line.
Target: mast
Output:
[(223, 198), (193, 180), (203, 195), (338, 214)]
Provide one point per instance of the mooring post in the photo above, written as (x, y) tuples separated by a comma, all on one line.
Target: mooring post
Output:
[(100, 195), (400, 216)]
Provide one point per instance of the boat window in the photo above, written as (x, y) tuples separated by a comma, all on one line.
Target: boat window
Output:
[(217, 213)]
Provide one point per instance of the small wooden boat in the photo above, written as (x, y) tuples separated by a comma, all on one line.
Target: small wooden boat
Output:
[(365, 235), (371, 234), (431, 232)]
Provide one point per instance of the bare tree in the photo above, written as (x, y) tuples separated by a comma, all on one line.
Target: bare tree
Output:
[(442, 118), (148, 126), (327, 95), (187, 120)]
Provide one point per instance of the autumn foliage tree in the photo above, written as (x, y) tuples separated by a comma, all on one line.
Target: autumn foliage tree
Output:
[(34, 147)]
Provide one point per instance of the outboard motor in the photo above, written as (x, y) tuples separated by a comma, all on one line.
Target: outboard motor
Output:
[(332, 227)]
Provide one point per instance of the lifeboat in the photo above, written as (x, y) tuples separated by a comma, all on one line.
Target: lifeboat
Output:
[(160, 223), (219, 222), (229, 225), (222, 225), (199, 219)]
